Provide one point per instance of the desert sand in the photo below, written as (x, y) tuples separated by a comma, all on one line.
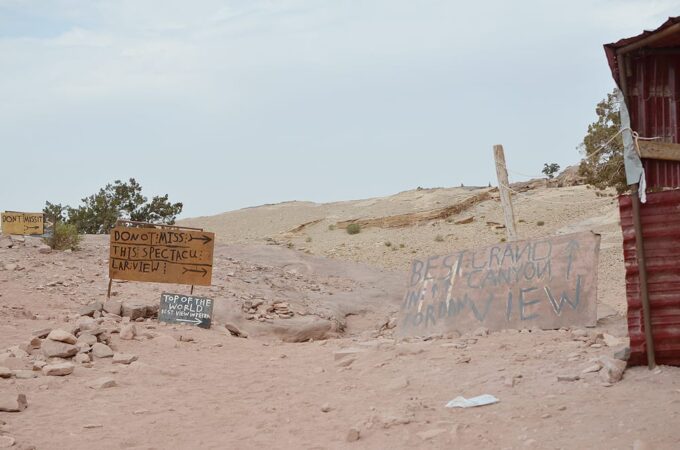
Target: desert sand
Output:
[(311, 361)]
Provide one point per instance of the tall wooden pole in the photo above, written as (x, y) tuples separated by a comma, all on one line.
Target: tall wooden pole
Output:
[(642, 274), (506, 199)]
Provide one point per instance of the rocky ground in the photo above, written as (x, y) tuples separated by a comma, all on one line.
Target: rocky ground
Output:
[(301, 353)]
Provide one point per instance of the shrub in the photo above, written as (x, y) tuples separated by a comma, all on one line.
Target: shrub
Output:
[(353, 228), (540, 223), (550, 170), (388, 244), (331, 227), (309, 239), (402, 245), (439, 238), (64, 237)]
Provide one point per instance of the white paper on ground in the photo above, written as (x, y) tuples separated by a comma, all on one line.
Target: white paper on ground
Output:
[(480, 400)]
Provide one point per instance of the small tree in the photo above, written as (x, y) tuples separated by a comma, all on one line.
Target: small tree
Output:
[(550, 170), (99, 212), (603, 167)]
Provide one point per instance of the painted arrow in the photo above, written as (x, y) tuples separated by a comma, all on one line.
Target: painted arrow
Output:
[(572, 246), (195, 321), (202, 270), (203, 238)]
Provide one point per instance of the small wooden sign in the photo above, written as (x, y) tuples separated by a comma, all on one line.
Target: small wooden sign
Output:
[(189, 309), (22, 223), (547, 283), (161, 255)]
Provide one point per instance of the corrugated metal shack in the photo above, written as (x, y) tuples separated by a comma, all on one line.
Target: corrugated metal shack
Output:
[(647, 70)]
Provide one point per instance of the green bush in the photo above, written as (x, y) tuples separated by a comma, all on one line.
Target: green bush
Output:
[(64, 237), (540, 223), (388, 244), (353, 228), (331, 227)]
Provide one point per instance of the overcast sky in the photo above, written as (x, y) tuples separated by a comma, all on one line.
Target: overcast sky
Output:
[(227, 104)]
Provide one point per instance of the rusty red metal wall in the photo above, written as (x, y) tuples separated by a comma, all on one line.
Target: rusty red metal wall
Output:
[(653, 88), (660, 218), (652, 81)]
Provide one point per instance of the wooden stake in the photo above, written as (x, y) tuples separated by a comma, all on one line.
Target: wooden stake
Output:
[(506, 199)]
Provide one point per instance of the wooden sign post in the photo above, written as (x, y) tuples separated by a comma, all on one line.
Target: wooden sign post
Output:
[(503, 188), (23, 223), (162, 255)]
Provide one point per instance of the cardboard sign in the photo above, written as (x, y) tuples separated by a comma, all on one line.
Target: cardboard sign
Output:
[(22, 223), (161, 255), (177, 308), (547, 283)]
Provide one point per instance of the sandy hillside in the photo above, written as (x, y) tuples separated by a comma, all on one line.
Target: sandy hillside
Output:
[(317, 229), (309, 359)]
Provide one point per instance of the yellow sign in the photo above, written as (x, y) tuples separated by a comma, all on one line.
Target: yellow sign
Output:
[(22, 223), (161, 255)]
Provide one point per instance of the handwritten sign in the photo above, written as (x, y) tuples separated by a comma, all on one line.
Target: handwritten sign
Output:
[(161, 255), (176, 308), (547, 283), (22, 223)]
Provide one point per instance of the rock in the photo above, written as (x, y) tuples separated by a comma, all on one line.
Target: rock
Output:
[(5, 372), (353, 434), (568, 378), (113, 307), (5, 242), (58, 370), (13, 402), (86, 323), (6, 441), (82, 358), (18, 353), (326, 408), (24, 374), (464, 220), (35, 343), (623, 354), (128, 331), (612, 369), (579, 333), (166, 341), (102, 383), (592, 368), (89, 310), (44, 249), (86, 339), (60, 335), (346, 362), (134, 310), (346, 353), (610, 341), (303, 329), (53, 349), (42, 334), (100, 350), (123, 358), (430, 434), (481, 331), (235, 331)]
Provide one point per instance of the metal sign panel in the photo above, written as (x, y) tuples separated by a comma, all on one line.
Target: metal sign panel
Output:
[(22, 223), (547, 283), (161, 255), (189, 309)]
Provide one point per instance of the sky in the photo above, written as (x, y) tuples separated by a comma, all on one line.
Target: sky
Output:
[(229, 104)]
